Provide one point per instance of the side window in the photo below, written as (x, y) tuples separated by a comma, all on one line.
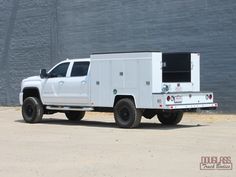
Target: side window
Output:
[(60, 70), (80, 69)]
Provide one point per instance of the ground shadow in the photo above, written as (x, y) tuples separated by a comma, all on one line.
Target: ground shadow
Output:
[(160, 126), (90, 123)]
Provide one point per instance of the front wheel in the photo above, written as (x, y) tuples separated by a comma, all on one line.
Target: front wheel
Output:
[(126, 115), (170, 118), (32, 110), (75, 115)]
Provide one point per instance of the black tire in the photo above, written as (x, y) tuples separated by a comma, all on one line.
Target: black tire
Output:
[(126, 115), (149, 114), (75, 115), (32, 110), (170, 118)]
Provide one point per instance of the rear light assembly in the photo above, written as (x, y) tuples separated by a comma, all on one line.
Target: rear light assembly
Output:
[(209, 97), (168, 98)]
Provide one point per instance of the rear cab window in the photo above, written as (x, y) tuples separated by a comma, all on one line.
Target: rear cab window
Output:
[(80, 69)]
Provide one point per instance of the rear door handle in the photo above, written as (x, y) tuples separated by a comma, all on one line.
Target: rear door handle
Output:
[(84, 82)]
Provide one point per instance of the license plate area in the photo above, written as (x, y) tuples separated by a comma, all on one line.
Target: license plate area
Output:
[(178, 99)]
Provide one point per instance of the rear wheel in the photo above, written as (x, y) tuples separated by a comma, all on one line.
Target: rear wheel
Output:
[(32, 110), (75, 115), (149, 114), (126, 115), (170, 118)]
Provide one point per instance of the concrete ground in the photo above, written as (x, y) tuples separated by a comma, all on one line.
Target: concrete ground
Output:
[(96, 147)]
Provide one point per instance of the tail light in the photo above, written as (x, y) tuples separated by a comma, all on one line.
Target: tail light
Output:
[(209, 97), (168, 98)]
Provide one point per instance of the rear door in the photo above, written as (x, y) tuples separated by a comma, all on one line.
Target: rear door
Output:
[(176, 67), (180, 72)]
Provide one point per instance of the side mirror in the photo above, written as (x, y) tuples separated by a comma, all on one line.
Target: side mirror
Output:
[(43, 73)]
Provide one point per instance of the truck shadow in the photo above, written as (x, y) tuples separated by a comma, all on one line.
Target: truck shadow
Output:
[(100, 124)]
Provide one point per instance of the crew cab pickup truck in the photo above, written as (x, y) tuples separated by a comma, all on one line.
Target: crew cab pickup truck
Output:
[(131, 85)]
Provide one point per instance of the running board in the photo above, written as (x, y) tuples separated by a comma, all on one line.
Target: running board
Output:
[(67, 108)]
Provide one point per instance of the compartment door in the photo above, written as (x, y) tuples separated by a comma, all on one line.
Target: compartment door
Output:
[(101, 83)]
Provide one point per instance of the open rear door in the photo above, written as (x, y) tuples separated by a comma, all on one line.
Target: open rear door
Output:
[(180, 72)]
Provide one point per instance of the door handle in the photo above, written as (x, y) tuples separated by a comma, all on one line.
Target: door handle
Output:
[(84, 82), (61, 82)]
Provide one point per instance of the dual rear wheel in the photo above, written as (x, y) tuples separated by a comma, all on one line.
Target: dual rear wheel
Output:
[(127, 116), (75, 115), (170, 118)]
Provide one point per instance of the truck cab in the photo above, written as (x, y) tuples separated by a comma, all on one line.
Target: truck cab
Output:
[(65, 84), (131, 85)]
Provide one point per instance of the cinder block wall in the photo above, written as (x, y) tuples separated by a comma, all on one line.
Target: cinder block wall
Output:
[(26, 43), (38, 33)]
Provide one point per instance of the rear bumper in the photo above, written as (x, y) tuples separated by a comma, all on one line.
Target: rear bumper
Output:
[(193, 106), (184, 100)]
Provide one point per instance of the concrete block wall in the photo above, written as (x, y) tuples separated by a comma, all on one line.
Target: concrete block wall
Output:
[(25, 43), (37, 34)]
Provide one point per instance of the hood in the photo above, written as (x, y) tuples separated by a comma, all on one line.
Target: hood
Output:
[(32, 78)]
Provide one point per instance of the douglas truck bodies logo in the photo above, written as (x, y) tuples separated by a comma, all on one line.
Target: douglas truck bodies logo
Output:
[(216, 163)]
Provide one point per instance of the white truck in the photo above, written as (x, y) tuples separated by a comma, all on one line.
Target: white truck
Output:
[(131, 85)]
